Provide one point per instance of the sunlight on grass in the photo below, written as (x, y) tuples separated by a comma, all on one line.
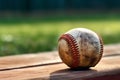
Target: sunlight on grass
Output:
[(37, 37)]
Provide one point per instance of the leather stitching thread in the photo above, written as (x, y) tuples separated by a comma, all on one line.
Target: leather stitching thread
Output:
[(73, 49)]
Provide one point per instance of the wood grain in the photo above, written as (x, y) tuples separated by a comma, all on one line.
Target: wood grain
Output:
[(48, 66), (9, 62)]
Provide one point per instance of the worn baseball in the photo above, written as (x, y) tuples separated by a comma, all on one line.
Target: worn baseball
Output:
[(80, 48)]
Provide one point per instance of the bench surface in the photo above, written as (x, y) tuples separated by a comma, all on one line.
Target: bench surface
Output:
[(48, 66)]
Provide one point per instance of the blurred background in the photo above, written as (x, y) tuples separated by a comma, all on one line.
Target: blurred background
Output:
[(33, 26)]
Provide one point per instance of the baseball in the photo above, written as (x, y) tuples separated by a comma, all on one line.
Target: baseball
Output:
[(80, 48)]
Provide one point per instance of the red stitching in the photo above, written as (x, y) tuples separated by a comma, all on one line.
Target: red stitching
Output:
[(101, 50), (73, 49), (101, 45)]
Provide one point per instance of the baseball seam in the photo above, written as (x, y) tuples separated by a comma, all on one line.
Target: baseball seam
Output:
[(101, 45), (73, 49), (101, 50)]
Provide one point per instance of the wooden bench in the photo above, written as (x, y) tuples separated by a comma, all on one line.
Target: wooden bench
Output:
[(48, 66)]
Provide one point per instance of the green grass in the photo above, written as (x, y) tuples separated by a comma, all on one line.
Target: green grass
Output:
[(19, 36)]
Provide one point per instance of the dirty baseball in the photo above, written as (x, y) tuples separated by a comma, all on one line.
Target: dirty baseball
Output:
[(80, 48)]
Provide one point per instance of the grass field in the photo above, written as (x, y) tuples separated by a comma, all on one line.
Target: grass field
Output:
[(19, 36)]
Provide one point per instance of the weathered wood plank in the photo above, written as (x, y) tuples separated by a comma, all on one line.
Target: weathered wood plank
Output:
[(28, 60), (44, 58), (107, 66), (48, 66)]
